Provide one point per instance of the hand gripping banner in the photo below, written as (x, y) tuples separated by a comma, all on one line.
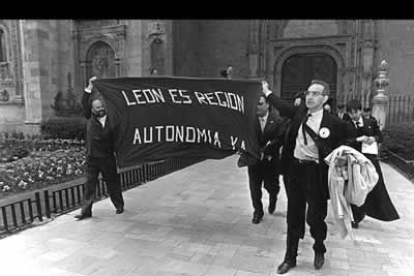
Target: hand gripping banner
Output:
[(161, 117)]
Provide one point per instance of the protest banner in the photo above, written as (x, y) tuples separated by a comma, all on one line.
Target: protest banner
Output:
[(162, 117)]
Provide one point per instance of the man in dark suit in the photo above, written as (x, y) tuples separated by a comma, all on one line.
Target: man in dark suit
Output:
[(341, 113), (269, 128), (313, 134), (365, 136), (100, 153), (366, 114)]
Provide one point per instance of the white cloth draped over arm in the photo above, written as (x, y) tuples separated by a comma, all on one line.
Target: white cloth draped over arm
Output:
[(348, 184)]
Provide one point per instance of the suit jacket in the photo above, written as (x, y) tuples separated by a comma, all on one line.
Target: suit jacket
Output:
[(332, 134), (345, 117), (370, 128), (271, 138), (99, 139)]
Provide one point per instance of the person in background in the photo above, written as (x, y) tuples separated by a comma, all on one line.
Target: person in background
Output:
[(270, 129), (341, 113), (153, 71), (327, 107), (313, 134), (365, 136), (227, 73), (100, 152), (366, 113)]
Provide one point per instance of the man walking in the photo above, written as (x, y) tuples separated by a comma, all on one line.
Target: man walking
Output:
[(341, 113), (313, 134), (365, 137), (270, 129)]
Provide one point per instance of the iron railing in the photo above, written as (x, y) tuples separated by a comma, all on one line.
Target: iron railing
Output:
[(17, 215), (400, 108)]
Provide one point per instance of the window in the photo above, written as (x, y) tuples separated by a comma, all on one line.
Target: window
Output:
[(3, 54)]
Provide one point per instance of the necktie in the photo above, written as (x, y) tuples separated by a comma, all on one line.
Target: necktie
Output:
[(303, 128), (357, 124), (262, 123)]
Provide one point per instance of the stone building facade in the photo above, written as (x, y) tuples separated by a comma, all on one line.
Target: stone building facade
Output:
[(39, 58)]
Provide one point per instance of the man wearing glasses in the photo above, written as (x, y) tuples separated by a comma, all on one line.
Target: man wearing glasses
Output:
[(313, 134)]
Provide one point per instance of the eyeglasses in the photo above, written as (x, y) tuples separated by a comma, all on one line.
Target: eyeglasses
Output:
[(313, 93)]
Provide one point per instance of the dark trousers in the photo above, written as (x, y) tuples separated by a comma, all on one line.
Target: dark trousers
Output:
[(265, 172), (107, 166), (304, 187)]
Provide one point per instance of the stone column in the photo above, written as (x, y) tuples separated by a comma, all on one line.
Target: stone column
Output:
[(82, 75), (253, 48), (31, 74), (367, 60), (380, 100)]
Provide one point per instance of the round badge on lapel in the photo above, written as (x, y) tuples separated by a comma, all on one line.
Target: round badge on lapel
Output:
[(324, 132)]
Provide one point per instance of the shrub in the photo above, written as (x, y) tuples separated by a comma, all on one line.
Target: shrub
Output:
[(64, 128), (399, 139)]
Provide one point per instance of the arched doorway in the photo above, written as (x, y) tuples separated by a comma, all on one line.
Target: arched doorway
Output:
[(100, 61), (298, 70)]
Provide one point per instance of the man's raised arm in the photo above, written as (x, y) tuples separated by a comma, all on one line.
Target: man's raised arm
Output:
[(285, 109), (86, 103)]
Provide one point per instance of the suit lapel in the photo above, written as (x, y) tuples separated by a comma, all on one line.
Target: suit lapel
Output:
[(269, 121), (257, 128)]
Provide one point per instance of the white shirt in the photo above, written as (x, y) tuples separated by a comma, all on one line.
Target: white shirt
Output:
[(309, 151), (102, 120), (263, 121), (360, 121)]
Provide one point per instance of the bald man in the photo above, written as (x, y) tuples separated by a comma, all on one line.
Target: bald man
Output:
[(313, 134), (100, 153)]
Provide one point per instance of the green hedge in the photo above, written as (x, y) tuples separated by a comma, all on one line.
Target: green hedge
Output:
[(64, 128), (399, 139)]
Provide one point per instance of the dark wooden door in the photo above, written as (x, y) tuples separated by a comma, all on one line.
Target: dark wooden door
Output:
[(299, 70)]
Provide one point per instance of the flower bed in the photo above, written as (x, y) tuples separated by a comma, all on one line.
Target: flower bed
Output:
[(46, 163)]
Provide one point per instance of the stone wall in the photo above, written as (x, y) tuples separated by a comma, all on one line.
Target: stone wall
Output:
[(12, 117), (186, 35), (47, 60), (223, 43), (133, 56), (396, 45), (310, 28), (203, 48), (41, 68)]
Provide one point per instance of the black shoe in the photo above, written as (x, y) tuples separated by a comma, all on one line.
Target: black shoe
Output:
[(256, 219), (272, 204), (285, 266), (82, 216), (319, 260), (119, 210), (354, 225)]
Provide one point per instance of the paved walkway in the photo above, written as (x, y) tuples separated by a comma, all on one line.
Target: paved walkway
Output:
[(198, 222)]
